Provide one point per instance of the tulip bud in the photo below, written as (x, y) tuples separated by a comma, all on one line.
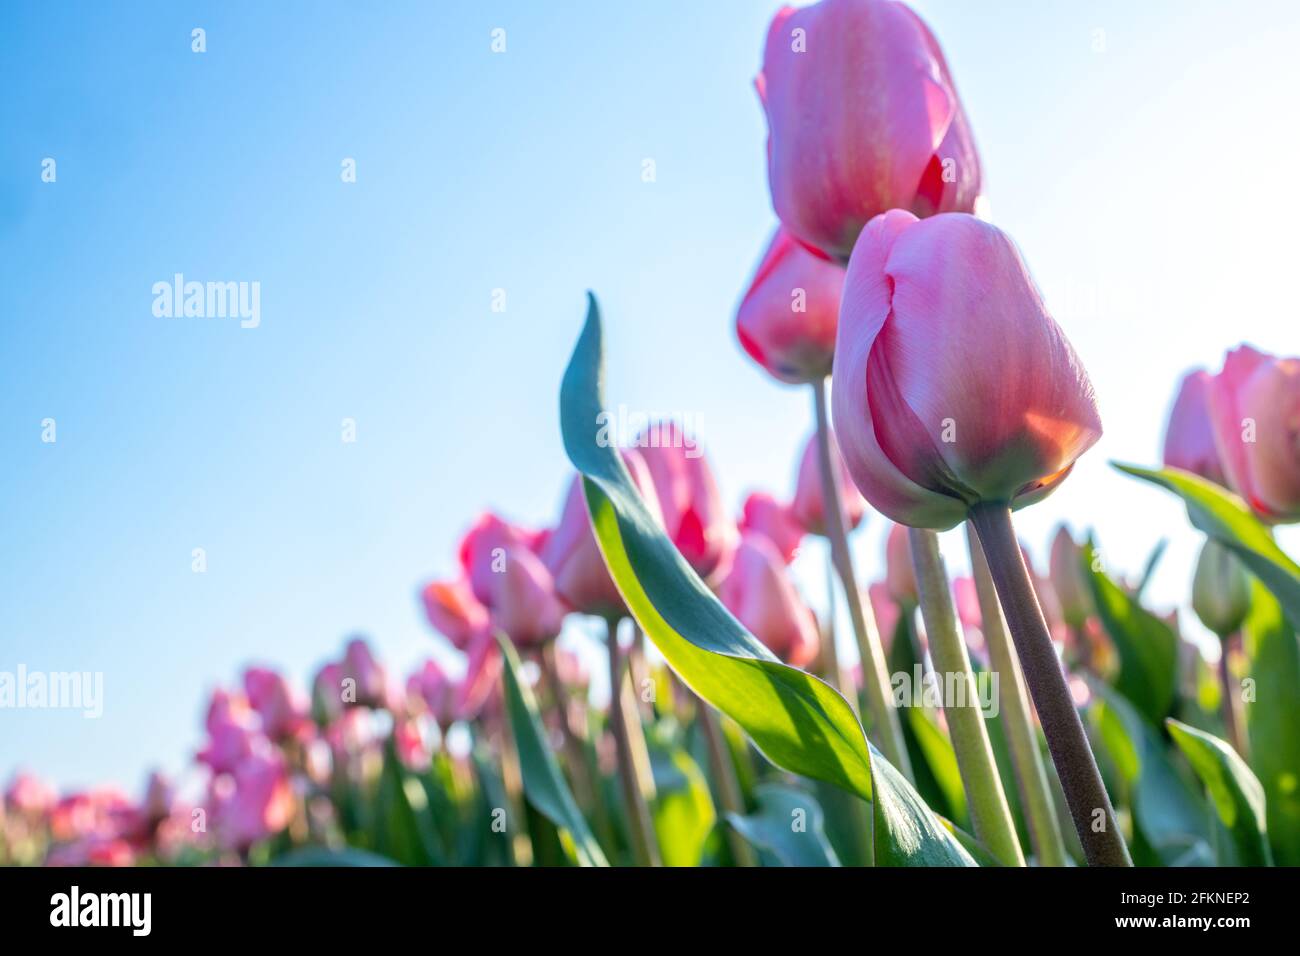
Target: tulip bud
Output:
[(454, 611), (786, 322), (1189, 436), (759, 592), (1255, 411), (952, 385), (522, 602), (260, 803), (371, 681), (282, 712), (809, 506), (1220, 589), (862, 117), (483, 549), (764, 515), (572, 556), (900, 575), (1073, 597), (694, 516)]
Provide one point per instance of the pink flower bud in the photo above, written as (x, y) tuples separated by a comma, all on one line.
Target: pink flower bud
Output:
[(1255, 410), (862, 117), (900, 575), (786, 322), (29, 795), (759, 592), (371, 681), (952, 384), (454, 611), (1189, 436), (809, 506), (522, 602), (572, 556), (1069, 590), (764, 515), (693, 513), (283, 712), (255, 802)]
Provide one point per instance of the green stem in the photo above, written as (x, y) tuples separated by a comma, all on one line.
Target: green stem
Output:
[(989, 810), (724, 778), (831, 669), (1228, 692), (1017, 718), (1090, 806), (875, 679), (632, 769)]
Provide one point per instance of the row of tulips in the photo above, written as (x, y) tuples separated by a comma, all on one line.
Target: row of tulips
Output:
[(944, 395)]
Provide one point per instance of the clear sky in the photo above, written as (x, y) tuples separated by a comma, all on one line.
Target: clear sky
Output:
[(1139, 153)]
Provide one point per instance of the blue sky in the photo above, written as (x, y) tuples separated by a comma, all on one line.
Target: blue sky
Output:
[(1138, 153)]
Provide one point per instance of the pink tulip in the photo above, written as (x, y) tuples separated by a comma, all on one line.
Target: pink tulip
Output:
[(483, 550), (900, 574), (360, 665), (231, 729), (764, 515), (758, 591), (809, 506), (1069, 595), (482, 672), (260, 803), (283, 712), (327, 693), (455, 612), (952, 385), (786, 322), (862, 117), (572, 556), (693, 513), (1189, 436), (887, 614), (522, 602), (1255, 410)]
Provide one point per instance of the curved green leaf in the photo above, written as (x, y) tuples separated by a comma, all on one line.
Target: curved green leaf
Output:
[(1226, 518), (1236, 793), (544, 785), (796, 720), (788, 825), (1147, 646), (1273, 719), (1168, 816)]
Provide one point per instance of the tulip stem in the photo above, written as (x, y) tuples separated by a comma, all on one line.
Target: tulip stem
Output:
[(830, 661), (633, 766), (1017, 718), (989, 810), (1227, 690), (1090, 806), (875, 679), (580, 770), (724, 778)]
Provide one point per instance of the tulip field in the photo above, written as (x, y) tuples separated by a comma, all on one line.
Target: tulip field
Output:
[(1045, 714)]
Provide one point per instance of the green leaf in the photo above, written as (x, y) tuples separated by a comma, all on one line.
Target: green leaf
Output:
[(324, 856), (1273, 719), (788, 825), (1147, 646), (683, 808), (404, 827), (1236, 793), (1226, 518), (544, 785), (939, 758), (797, 721), (1168, 816)]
